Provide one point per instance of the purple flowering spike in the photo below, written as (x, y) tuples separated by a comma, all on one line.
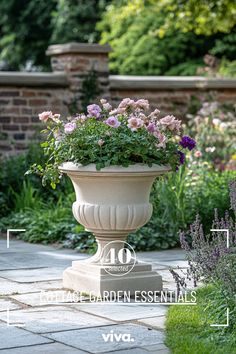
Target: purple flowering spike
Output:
[(181, 157)]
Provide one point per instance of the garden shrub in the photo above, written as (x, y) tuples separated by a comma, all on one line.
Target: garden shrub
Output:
[(212, 260)]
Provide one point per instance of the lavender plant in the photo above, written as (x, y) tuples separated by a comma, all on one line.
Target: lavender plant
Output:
[(213, 261)]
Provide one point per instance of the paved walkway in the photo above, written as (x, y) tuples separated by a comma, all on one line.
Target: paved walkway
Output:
[(31, 321)]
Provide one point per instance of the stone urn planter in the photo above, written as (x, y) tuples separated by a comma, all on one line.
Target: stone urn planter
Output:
[(111, 203)]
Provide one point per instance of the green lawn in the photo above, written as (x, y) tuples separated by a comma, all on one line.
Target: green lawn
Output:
[(188, 329)]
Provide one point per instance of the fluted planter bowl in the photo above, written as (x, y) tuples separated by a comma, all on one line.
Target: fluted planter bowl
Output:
[(111, 203)]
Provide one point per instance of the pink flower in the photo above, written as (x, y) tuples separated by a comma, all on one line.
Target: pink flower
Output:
[(69, 127), (143, 117), (107, 106), (142, 104), (44, 116), (101, 142), (127, 103), (80, 118), (161, 137), (112, 122), (56, 118), (135, 123), (198, 154), (151, 127), (94, 110), (154, 115), (171, 123)]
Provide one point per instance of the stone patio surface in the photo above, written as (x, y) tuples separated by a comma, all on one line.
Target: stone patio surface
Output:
[(29, 325)]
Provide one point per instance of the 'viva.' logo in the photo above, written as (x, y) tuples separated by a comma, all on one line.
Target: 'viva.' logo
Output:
[(115, 337)]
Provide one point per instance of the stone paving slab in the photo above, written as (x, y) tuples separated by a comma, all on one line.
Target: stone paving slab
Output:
[(23, 260), (156, 256), (122, 312), (21, 246), (159, 348), (46, 298), (9, 287), (129, 351), (173, 264), (11, 337), (139, 336), (53, 319), (8, 304), (53, 348), (32, 275), (154, 322)]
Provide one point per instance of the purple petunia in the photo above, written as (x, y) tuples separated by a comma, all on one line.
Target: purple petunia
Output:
[(181, 157), (94, 110), (187, 142)]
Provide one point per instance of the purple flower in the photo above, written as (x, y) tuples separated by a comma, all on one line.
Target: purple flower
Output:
[(94, 110), (112, 122), (151, 127), (181, 157), (69, 127), (187, 142)]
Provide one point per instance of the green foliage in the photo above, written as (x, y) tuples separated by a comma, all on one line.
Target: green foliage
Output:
[(45, 224), (151, 38), (90, 89), (225, 46), (27, 27), (227, 68), (202, 17), (188, 327), (75, 20), (18, 191), (132, 31), (25, 30), (92, 140)]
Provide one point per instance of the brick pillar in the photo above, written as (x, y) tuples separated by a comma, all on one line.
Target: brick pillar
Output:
[(79, 61)]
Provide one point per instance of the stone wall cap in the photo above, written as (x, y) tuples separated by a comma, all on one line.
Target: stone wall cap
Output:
[(15, 78), (169, 82), (67, 48)]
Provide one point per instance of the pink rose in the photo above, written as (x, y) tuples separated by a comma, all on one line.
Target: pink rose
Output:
[(112, 122), (161, 137), (135, 123), (171, 123), (198, 154), (44, 116), (69, 127), (107, 106), (127, 103), (142, 104), (154, 115)]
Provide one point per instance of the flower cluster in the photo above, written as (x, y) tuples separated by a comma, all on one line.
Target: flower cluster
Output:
[(127, 134)]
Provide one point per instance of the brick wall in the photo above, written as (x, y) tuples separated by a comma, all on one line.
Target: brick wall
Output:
[(172, 94), (20, 106), (24, 95)]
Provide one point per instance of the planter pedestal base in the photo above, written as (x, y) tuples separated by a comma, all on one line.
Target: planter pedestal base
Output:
[(94, 279)]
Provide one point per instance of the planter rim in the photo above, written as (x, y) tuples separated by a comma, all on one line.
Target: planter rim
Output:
[(140, 169)]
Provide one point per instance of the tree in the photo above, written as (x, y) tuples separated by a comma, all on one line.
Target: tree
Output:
[(205, 17), (75, 20), (25, 31), (27, 27), (131, 28), (165, 37)]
